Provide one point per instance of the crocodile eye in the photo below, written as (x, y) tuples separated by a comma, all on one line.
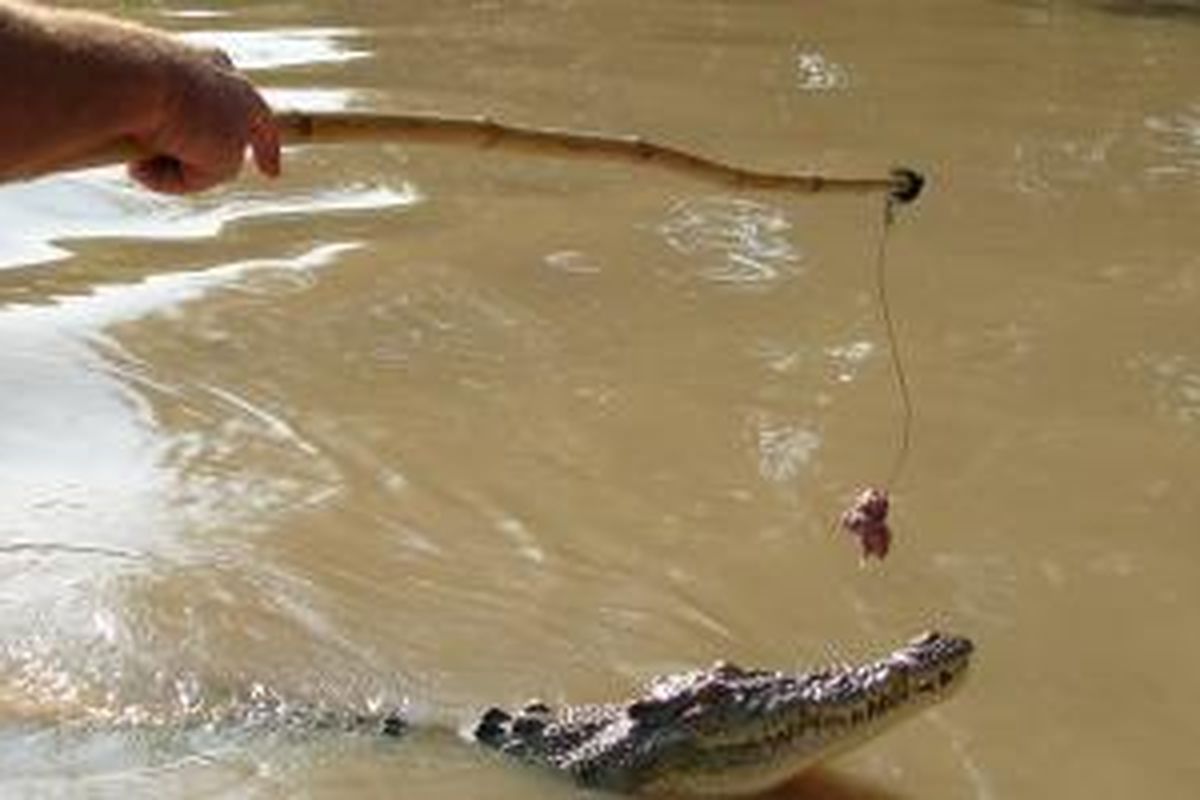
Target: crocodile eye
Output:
[(925, 639), (727, 669), (646, 709)]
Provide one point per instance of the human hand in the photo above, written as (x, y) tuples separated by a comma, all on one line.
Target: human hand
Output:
[(206, 116)]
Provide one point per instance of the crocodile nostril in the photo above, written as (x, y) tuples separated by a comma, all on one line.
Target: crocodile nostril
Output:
[(492, 726)]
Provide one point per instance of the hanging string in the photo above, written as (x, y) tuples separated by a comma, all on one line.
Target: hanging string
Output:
[(867, 517), (899, 375)]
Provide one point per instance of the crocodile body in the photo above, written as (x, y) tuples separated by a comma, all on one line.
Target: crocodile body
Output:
[(724, 730)]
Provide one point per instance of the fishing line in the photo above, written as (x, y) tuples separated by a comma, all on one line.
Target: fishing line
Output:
[(867, 517), (899, 375)]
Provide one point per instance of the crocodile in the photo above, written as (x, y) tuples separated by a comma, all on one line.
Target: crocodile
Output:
[(728, 730), (724, 730)]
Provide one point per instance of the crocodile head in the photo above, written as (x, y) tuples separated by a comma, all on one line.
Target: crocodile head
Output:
[(728, 730)]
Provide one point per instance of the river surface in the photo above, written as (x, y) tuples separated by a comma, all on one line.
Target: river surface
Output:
[(439, 428)]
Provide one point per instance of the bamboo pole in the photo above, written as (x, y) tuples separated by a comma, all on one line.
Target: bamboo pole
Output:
[(300, 127)]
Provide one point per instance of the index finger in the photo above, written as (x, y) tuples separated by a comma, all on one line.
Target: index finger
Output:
[(265, 139)]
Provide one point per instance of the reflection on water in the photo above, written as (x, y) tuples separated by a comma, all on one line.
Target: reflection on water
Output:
[(101, 204), (53, 488), (847, 359), (314, 99), (1048, 169), (1180, 142), (742, 241), (1175, 381), (785, 448), (1182, 9), (195, 13), (816, 73), (280, 48), (128, 490)]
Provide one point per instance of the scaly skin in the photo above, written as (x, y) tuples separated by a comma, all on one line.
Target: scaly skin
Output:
[(728, 730)]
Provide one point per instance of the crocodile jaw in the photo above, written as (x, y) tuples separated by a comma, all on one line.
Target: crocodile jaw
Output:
[(817, 716)]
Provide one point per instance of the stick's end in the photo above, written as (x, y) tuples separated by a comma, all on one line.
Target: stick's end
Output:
[(907, 185)]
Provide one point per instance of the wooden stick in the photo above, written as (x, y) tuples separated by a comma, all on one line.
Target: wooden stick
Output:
[(903, 185)]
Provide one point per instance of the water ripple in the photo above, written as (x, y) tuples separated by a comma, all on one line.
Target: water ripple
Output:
[(1177, 137), (816, 73), (739, 242), (110, 304), (282, 47), (99, 204), (784, 448), (1175, 384)]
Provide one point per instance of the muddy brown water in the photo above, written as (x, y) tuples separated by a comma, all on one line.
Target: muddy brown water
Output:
[(443, 429)]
